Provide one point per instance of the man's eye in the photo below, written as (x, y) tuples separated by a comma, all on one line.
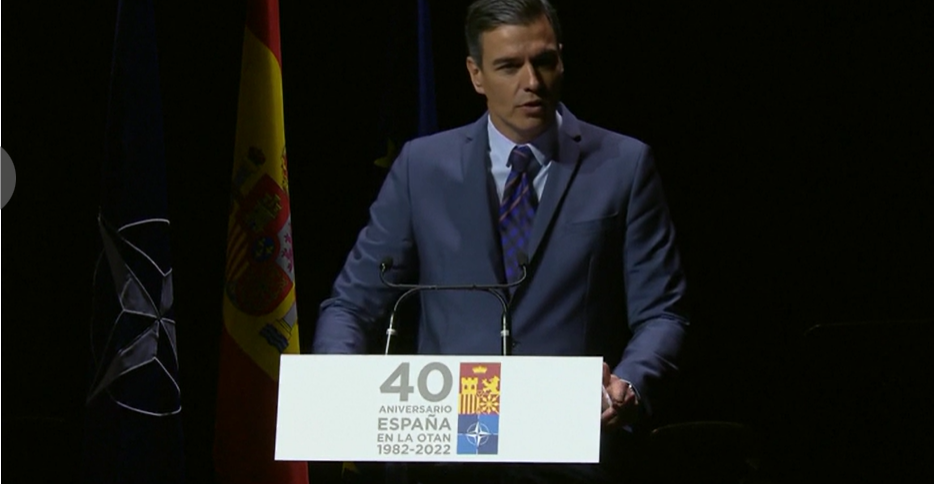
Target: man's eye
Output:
[(547, 62)]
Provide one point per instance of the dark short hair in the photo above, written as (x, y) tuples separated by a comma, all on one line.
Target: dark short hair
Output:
[(486, 15)]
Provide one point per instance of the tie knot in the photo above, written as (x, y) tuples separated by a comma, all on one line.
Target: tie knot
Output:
[(520, 158)]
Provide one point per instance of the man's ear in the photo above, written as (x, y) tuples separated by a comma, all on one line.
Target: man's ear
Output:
[(476, 75), (561, 57)]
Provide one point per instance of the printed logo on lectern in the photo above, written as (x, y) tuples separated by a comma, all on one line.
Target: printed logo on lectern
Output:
[(478, 409), (7, 178)]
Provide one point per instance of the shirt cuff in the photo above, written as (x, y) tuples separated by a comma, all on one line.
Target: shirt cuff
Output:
[(634, 390)]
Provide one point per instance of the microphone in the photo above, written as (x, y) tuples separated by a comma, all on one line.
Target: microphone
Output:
[(506, 330)]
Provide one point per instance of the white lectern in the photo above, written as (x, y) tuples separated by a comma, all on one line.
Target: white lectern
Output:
[(404, 408)]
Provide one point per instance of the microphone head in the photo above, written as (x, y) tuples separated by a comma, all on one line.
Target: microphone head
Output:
[(386, 264), (523, 259)]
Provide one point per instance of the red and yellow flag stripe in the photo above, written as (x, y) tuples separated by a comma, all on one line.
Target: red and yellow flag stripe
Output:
[(260, 319)]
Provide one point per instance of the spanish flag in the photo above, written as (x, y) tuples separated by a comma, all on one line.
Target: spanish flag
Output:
[(260, 319)]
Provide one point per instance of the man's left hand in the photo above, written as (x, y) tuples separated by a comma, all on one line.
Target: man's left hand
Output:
[(622, 407)]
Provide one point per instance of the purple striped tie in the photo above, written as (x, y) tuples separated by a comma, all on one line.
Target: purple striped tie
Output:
[(517, 210)]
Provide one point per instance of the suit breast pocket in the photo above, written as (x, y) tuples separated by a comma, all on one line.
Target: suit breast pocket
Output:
[(592, 226)]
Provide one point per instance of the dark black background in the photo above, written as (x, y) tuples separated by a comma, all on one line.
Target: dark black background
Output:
[(794, 142)]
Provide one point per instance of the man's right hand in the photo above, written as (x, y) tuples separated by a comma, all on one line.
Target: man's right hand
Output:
[(620, 405)]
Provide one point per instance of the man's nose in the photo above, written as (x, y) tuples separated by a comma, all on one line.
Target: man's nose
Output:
[(531, 79)]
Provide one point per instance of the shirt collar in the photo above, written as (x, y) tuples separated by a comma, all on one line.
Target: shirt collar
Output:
[(544, 147)]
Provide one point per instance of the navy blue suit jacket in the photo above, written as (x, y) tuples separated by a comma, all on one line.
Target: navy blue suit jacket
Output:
[(605, 276)]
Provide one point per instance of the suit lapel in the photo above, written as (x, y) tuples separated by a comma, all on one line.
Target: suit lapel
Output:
[(479, 191), (559, 179), (481, 230)]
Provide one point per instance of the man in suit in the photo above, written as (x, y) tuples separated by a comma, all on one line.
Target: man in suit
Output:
[(584, 205)]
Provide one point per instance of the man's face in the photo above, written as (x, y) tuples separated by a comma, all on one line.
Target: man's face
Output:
[(520, 77)]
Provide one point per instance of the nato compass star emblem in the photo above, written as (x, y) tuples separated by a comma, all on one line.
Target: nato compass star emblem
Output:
[(133, 333), (478, 434)]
